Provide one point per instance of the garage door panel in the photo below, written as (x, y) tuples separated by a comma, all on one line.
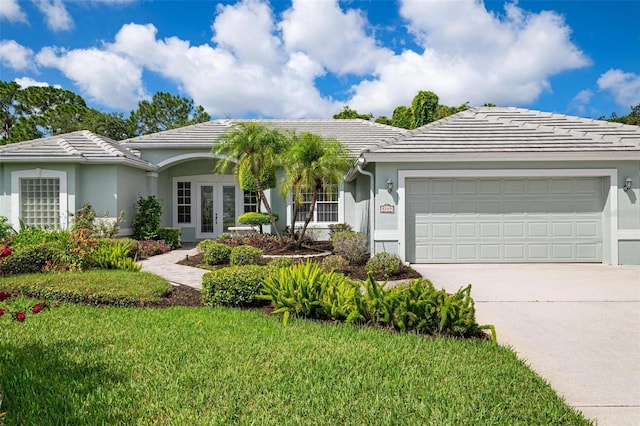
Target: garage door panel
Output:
[(490, 230), (490, 252), (514, 230), (505, 220), (443, 230), (514, 252), (538, 230)]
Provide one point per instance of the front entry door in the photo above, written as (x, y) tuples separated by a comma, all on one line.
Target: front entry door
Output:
[(216, 210)]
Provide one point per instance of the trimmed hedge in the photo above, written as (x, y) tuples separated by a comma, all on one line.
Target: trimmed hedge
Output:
[(245, 255), (28, 259), (216, 253), (233, 286)]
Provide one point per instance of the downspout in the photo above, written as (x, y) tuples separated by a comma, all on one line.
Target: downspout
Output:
[(372, 210)]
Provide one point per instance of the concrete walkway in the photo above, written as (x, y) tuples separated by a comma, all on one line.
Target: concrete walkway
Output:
[(165, 266), (577, 325)]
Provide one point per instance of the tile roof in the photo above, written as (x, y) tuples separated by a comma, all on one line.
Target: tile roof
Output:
[(81, 146), (357, 134), (513, 130)]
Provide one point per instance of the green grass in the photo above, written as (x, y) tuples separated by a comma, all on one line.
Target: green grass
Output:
[(86, 365), (96, 287)]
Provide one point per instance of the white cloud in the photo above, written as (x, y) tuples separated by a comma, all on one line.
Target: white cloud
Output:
[(25, 82), (225, 84), (336, 39), (56, 15), (472, 55), (266, 65), (103, 76), (580, 102), (14, 55), (247, 31), (624, 86), (11, 11)]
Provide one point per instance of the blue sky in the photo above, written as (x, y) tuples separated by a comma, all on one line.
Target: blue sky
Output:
[(309, 58)]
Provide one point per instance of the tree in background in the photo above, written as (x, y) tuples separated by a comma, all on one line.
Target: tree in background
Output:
[(312, 164), (402, 117), (36, 112), (632, 118), (254, 150), (351, 114), (164, 112), (424, 109)]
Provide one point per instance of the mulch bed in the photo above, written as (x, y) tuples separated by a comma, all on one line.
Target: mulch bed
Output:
[(187, 296)]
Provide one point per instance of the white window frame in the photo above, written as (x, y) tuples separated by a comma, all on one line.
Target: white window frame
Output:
[(39, 174), (314, 221), (178, 205)]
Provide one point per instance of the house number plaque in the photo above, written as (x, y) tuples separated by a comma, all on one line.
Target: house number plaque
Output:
[(387, 208)]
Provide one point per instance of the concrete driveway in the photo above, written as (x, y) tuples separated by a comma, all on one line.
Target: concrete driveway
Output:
[(577, 325)]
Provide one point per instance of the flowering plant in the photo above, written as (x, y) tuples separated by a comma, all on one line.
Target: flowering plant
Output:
[(15, 307)]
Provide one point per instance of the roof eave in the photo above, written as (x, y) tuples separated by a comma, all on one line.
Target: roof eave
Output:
[(82, 160), (382, 157)]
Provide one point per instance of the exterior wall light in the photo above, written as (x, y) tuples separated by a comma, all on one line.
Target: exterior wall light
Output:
[(390, 186), (627, 184)]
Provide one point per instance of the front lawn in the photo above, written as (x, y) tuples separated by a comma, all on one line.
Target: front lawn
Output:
[(95, 287), (105, 365)]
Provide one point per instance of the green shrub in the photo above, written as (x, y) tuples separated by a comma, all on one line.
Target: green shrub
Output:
[(233, 286), (384, 265), (28, 259), (280, 262), (418, 307), (256, 219), (5, 229), (245, 255), (352, 246), (307, 291), (170, 235), (202, 245), (114, 254), (339, 227), (216, 253), (334, 263), (30, 235), (146, 222)]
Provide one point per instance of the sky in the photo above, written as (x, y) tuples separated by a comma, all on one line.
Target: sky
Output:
[(311, 58)]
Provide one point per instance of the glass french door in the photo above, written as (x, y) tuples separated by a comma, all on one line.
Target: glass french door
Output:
[(216, 209)]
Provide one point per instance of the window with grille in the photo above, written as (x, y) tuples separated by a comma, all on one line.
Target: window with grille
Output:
[(40, 202), (326, 207), (184, 202), (251, 201)]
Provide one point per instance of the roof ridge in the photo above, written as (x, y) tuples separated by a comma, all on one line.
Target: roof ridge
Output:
[(64, 144), (104, 143)]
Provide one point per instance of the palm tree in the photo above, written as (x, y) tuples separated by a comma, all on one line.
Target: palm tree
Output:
[(312, 163), (252, 148)]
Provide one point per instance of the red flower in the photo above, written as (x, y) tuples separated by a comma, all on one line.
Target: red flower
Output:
[(1, 312), (4, 296), (20, 316), (6, 251), (37, 308), (57, 304)]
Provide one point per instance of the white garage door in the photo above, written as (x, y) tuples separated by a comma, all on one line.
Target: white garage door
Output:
[(504, 220)]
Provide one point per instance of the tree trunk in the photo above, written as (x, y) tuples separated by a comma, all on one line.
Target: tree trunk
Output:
[(312, 208), (267, 207)]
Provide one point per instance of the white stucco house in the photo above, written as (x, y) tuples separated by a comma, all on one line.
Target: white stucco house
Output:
[(484, 185)]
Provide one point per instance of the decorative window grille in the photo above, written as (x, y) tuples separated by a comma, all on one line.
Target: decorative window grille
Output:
[(40, 202), (184, 202), (251, 201), (326, 207)]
